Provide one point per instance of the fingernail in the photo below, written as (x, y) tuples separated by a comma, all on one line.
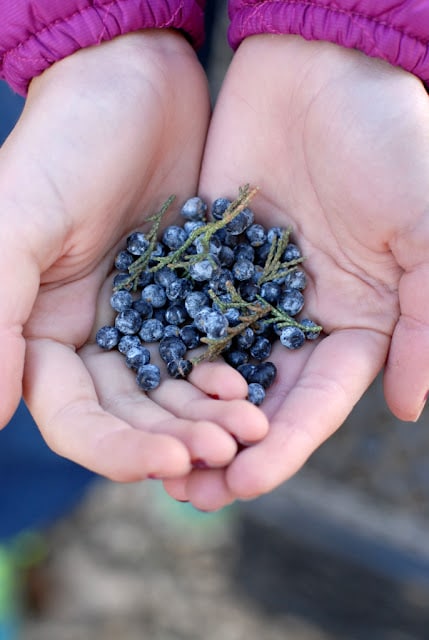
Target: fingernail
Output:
[(242, 444), (419, 414), (198, 463)]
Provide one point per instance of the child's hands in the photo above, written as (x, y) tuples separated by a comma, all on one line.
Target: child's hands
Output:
[(339, 146), (106, 136)]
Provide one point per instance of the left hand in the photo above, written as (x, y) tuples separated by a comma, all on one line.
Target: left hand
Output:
[(338, 145), (106, 135)]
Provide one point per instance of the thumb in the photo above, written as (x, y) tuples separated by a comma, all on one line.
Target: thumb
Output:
[(19, 283), (406, 379)]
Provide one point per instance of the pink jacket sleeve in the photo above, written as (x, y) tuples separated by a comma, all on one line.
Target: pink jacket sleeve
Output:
[(397, 32), (36, 33)]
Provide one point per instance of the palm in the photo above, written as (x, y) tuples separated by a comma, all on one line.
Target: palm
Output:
[(334, 144), (100, 145)]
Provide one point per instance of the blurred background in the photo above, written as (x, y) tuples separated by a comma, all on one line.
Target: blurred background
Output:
[(340, 552)]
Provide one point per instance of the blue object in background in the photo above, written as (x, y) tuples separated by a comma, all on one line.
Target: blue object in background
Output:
[(36, 485)]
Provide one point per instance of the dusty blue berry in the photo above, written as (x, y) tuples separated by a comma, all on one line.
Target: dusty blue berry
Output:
[(195, 301), (243, 250), (274, 233), (249, 291), (171, 331), (178, 289), (312, 330), (179, 368), (123, 260), (191, 225), (203, 270), (176, 313), (120, 281), (295, 279), (200, 318), (107, 337), (261, 348), (155, 295), (190, 336), (157, 252), (233, 316), (271, 292), (172, 348), (220, 280), (246, 370), (256, 235), (245, 339), (174, 237), (159, 314), (137, 356), (292, 252), (218, 208), (151, 330), (144, 308), (261, 253), (235, 358), (164, 276), (128, 321), (145, 278), (215, 325), (148, 377), (226, 256), (292, 337), (256, 393), (241, 222), (137, 243), (291, 301), (128, 342), (213, 247), (121, 300), (194, 209), (264, 374), (243, 269)]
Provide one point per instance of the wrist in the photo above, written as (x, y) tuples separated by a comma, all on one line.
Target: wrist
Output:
[(124, 61), (311, 66)]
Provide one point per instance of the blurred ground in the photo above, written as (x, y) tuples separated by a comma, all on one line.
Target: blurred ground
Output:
[(132, 564), (345, 542)]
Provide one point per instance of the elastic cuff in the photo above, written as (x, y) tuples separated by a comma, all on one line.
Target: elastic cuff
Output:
[(32, 42), (373, 36)]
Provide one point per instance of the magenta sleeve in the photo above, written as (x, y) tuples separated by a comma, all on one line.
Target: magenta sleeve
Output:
[(397, 32), (36, 33)]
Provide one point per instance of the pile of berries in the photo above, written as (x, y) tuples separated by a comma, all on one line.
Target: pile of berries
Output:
[(219, 281)]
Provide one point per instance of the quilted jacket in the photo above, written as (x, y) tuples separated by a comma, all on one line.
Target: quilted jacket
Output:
[(36, 33)]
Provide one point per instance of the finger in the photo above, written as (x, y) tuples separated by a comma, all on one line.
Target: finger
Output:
[(240, 418), (62, 399), (18, 290), (118, 393), (219, 380), (406, 380), (340, 369), (176, 488), (206, 490)]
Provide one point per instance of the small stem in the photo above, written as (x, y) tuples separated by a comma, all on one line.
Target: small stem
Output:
[(207, 231), (140, 265)]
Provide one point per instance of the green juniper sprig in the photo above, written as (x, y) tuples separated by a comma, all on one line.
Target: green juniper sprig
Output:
[(140, 265), (174, 259), (204, 233), (275, 268), (253, 312)]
